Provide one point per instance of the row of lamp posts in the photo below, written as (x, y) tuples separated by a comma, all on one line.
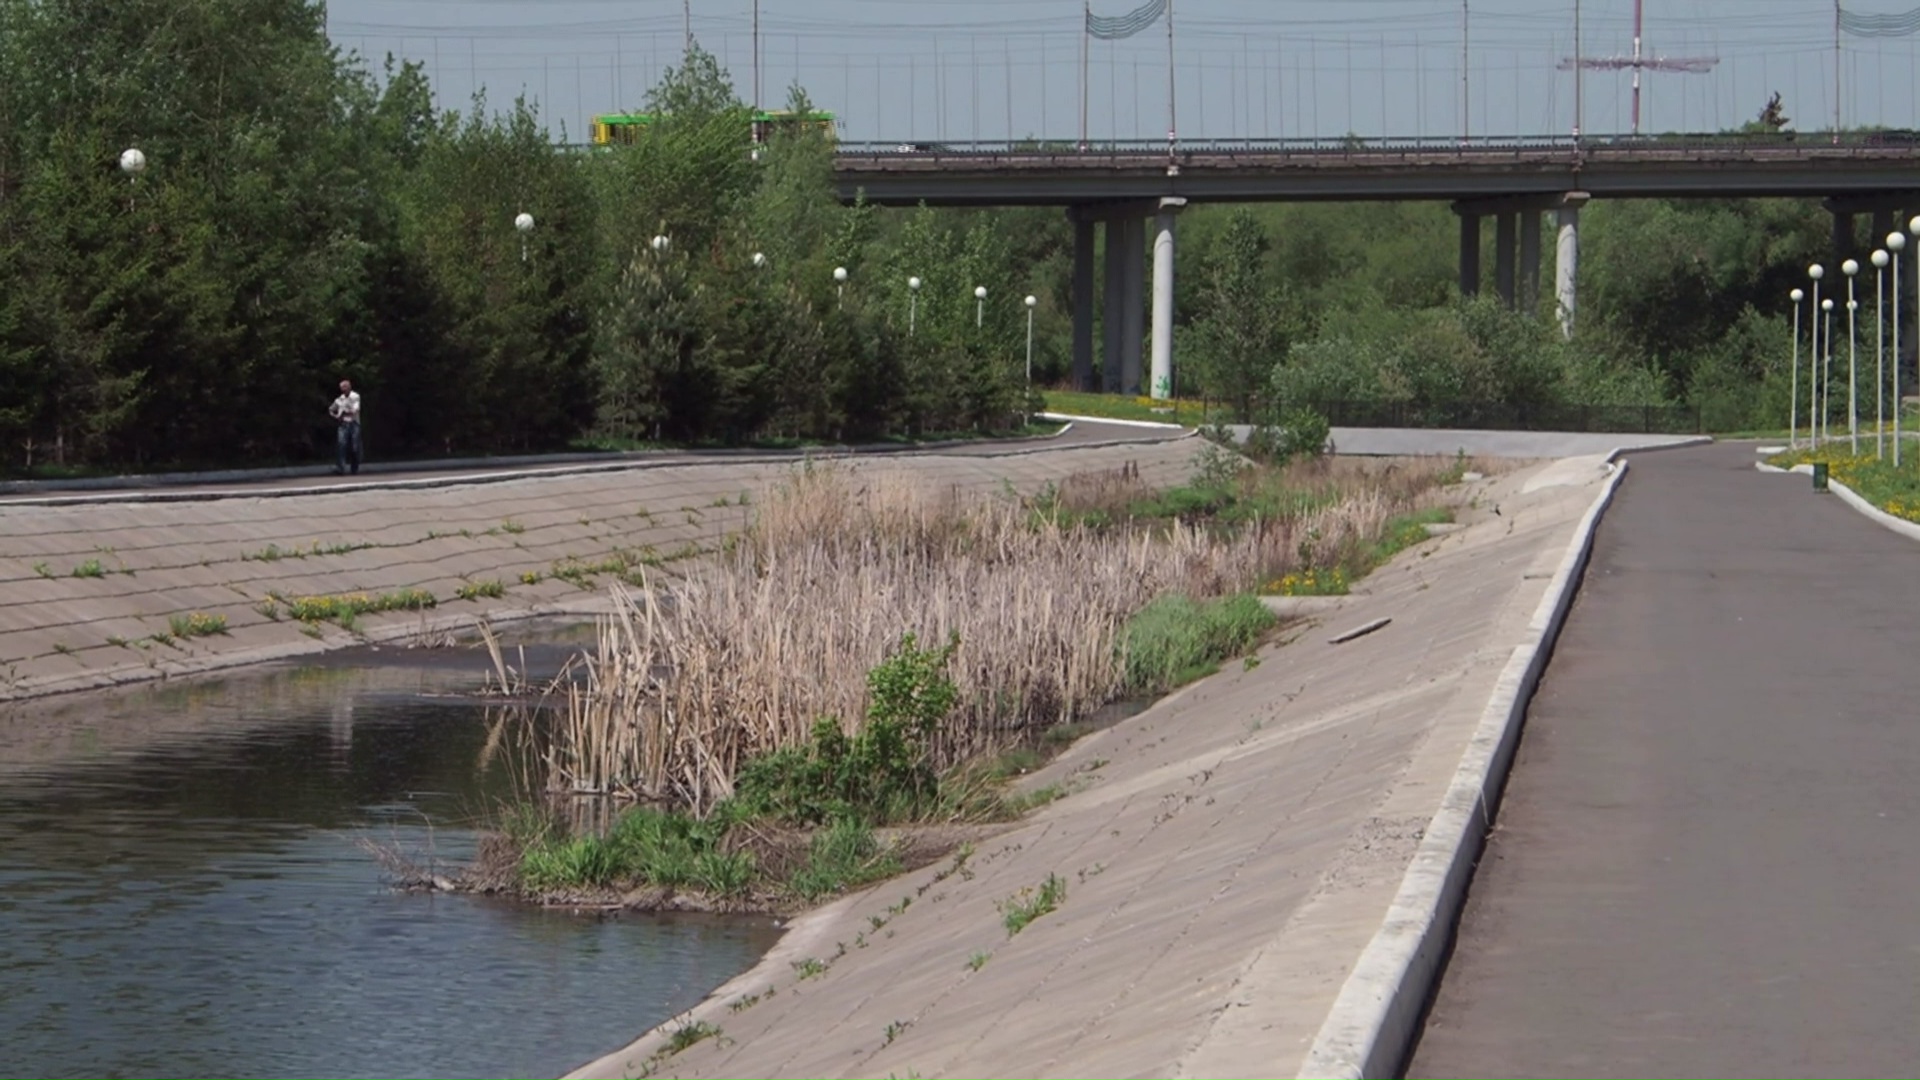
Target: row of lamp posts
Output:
[(1819, 375)]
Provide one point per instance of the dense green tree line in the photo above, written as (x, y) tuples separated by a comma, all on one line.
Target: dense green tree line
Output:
[(306, 218)]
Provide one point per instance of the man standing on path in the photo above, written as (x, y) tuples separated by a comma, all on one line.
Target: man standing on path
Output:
[(346, 417)]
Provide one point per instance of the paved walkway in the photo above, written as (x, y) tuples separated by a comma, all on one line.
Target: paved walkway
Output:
[(1708, 859), (320, 477)]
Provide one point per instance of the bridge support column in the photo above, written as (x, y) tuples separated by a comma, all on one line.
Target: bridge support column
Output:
[(1517, 239), (1566, 259), (1843, 233), (1503, 227), (1133, 309), (1082, 300), (1112, 321), (1161, 386), (1883, 223), (1469, 254), (1529, 261)]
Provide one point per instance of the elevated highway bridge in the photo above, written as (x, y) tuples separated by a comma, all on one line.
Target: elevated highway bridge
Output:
[(1515, 181)]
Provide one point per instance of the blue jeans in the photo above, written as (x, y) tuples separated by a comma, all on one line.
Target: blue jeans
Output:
[(347, 447)]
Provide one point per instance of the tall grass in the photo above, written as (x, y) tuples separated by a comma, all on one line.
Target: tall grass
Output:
[(693, 677)]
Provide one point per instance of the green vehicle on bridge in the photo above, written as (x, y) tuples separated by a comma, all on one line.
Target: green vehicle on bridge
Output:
[(626, 128)]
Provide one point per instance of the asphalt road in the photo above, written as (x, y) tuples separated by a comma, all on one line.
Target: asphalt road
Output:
[(1707, 862)]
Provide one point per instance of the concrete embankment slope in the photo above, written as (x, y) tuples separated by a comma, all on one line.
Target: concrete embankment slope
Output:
[(1225, 857), (91, 585)]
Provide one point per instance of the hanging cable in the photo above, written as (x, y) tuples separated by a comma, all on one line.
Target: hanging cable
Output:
[(1116, 27), (1871, 26)]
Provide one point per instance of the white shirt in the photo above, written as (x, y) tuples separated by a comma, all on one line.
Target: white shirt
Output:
[(346, 408)]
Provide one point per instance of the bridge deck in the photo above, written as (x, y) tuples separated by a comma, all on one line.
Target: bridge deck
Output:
[(1705, 864), (1011, 173)]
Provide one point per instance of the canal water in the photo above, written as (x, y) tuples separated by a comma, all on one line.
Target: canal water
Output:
[(184, 889)]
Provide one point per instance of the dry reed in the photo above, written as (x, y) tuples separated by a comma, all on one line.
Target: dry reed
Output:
[(693, 676)]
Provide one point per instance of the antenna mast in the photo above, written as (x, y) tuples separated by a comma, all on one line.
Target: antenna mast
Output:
[(1636, 62)]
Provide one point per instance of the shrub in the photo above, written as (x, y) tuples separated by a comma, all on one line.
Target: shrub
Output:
[(580, 862), (880, 773)]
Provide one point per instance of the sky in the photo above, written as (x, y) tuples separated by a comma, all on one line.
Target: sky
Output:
[(958, 71)]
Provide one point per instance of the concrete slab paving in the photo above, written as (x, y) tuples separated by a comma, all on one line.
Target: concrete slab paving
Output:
[(1225, 855), (178, 548)]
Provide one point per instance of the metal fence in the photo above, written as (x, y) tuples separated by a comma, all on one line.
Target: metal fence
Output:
[(1485, 416)]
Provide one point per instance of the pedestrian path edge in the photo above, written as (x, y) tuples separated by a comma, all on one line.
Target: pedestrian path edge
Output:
[(1370, 1030)]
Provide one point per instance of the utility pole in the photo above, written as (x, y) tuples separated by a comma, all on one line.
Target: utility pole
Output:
[(686, 21), (756, 55), (1836, 70), (1466, 88), (1173, 140), (1086, 24), (1578, 57)]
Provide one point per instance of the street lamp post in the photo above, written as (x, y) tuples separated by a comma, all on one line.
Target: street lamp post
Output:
[(1027, 402), (1850, 268), (979, 306), (1793, 409), (523, 224), (1880, 260), (1816, 272), (840, 285), (1896, 243), (1030, 302), (913, 302), (1826, 370), (133, 162), (759, 259), (661, 244)]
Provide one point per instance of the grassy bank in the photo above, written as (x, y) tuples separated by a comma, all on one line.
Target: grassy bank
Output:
[(1895, 490), (870, 654), (1126, 407)]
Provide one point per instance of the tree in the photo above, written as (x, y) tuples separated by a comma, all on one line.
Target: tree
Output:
[(1240, 334)]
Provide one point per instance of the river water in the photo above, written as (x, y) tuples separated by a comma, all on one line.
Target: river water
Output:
[(182, 893)]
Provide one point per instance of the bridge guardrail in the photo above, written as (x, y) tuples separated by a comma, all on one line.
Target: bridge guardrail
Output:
[(1734, 146)]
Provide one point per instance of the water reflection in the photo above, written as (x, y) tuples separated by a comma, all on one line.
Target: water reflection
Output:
[(181, 892)]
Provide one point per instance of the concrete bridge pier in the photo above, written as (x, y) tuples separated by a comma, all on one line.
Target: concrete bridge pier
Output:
[(1503, 229), (1133, 301), (1112, 325), (1529, 299), (1082, 299), (1517, 249), (1469, 252), (1162, 385), (1566, 259), (1123, 292)]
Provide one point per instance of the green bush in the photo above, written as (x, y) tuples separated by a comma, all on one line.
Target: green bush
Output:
[(1176, 639), (879, 774), (583, 861)]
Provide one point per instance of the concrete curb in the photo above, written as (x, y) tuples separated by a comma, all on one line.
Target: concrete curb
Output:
[(1373, 1022), (1853, 498), (1109, 420)]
